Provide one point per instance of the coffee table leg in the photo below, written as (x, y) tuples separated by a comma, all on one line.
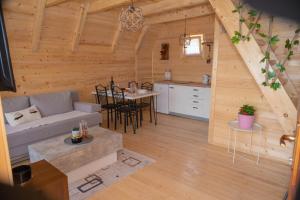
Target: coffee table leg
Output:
[(155, 110)]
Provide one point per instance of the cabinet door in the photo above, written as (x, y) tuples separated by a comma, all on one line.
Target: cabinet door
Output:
[(162, 98), (172, 98)]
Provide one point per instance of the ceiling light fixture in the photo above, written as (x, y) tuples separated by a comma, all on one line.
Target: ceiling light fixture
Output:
[(132, 18), (185, 39)]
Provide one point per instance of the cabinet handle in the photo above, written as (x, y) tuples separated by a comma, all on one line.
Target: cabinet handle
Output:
[(195, 108), (195, 101), (171, 87), (195, 96), (195, 90)]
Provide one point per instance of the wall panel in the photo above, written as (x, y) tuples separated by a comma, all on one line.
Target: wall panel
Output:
[(235, 87), (54, 67)]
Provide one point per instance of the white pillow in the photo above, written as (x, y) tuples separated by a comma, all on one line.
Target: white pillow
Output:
[(23, 116)]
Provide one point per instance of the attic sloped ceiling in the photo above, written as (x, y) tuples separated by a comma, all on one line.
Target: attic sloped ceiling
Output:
[(102, 18)]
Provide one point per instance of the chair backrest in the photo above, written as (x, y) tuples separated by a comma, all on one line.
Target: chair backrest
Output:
[(101, 92), (147, 86), (118, 95), (133, 82)]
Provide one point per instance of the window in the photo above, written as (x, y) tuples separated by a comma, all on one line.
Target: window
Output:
[(195, 46)]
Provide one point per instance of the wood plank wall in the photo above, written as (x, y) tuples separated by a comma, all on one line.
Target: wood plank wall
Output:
[(54, 67), (183, 68), (235, 87)]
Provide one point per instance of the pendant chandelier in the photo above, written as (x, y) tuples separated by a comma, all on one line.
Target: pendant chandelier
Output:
[(185, 39), (131, 18)]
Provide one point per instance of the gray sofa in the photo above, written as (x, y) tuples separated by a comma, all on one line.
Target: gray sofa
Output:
[(60, 112)]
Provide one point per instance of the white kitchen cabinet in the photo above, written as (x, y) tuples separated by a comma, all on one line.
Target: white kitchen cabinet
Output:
[(183, 100), (162, 98), (172, 98), (189, 100)]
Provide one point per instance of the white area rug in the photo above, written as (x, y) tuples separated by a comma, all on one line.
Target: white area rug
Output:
[(128, 162)]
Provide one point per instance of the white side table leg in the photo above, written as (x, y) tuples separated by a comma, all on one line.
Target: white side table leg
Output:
[(229, 140), (233, 159), (260, 146), (251, 141)]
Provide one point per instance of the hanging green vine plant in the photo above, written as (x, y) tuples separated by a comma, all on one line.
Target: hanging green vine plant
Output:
[(272, 70)]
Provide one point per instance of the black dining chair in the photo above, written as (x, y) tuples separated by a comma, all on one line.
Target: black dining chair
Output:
[(102, 98), (128, 109), (146, 102)]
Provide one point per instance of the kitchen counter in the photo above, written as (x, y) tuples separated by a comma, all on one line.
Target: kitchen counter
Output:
[(185, 83)]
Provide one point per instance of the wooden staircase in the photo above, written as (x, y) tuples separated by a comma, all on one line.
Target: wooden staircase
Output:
[(251, 52)]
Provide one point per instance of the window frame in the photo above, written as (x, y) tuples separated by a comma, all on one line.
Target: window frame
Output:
[(200, 37)]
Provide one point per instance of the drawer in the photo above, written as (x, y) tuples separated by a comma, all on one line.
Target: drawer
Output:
[(196, 111), (196, 102)]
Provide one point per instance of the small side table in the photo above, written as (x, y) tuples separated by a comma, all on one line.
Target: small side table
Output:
[(234, 127)]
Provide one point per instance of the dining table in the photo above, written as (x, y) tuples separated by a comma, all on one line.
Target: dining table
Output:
[(136, 96)]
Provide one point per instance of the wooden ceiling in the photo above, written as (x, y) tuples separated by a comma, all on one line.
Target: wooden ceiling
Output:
[(155, 12)]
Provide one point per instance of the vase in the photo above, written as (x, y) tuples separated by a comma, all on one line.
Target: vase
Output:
[(246, 121)]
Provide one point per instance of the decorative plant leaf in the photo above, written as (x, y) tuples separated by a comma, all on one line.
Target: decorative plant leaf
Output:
[(271, 75), (273, 40), (235, 39), (267, 57), (288, 44), (247, 110), (242, 20), (263, 70), (264, 83), (262, 35), (290, 55), (296, 42), (251, 25), (298, 30), (275, 85), (252, 13), (235, 10), (280, 67)]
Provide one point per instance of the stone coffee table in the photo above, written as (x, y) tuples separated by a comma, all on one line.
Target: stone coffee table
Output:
[(81, 159)]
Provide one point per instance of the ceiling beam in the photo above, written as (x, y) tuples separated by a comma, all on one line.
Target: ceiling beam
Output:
[(38, 22), (140, 39), (54, 2), (102, 5), (116, 38), (176, 15), (168, 5), (149, 9), (80, 25)]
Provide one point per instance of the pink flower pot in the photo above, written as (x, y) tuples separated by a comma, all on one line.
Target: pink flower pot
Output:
[(246, 121)]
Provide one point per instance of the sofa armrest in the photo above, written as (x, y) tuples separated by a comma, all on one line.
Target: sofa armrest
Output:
[(87, 107)]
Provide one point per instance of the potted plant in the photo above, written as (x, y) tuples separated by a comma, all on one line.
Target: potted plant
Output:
[(246, 117)]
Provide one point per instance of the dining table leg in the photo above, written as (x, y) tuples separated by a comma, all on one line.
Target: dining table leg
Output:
[(155, 110)]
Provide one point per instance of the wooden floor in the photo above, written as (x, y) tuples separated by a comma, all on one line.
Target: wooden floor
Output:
[(188, 168)]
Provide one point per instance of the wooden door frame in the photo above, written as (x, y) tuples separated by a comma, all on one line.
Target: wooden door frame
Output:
[(5, 165), (295, 175)]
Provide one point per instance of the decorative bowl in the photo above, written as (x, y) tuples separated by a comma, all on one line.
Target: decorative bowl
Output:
[(76, 140)]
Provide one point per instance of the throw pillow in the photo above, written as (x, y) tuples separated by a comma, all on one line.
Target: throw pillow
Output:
[(23, 116)]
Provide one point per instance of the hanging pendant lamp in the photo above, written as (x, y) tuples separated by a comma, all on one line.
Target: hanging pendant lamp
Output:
[(185, 39), (132, 18)]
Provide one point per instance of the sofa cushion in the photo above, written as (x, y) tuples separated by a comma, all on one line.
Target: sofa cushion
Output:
[(53, 103), (13, 104), (48, 127), (23, 116)]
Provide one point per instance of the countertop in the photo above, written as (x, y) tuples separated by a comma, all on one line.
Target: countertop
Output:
[(185, 83)]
